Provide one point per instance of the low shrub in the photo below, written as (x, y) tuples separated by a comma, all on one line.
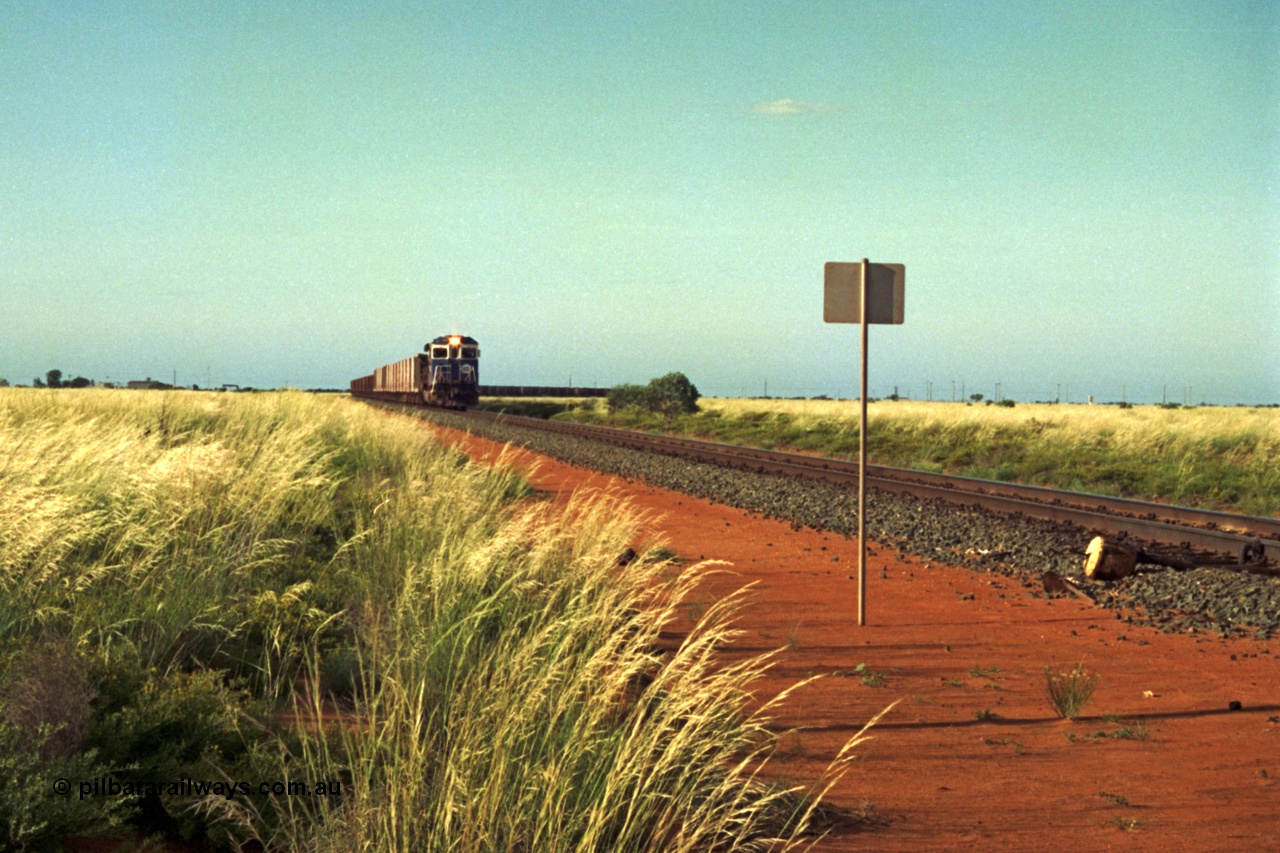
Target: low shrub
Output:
[(623, 397), (45, 688), (38, 804), (156, 728)]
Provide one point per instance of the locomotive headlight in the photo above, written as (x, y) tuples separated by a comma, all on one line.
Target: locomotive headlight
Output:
[(455, 340)]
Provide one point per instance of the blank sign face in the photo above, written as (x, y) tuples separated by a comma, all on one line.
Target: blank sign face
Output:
[(842, 293)]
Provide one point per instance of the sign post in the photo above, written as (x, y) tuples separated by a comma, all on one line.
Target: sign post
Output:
[(863, 293)]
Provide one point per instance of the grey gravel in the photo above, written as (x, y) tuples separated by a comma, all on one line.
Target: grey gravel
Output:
[(1226, 603)]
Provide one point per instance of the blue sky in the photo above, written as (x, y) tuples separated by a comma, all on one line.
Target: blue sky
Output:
[(1085, 195)]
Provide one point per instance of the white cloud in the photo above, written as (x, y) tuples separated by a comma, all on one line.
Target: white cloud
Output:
[(788, 107)]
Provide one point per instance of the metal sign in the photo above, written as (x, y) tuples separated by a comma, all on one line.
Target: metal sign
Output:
[(842, 293), (863, 293)]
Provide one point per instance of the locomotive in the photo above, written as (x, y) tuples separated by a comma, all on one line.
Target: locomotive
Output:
[(446, 373)]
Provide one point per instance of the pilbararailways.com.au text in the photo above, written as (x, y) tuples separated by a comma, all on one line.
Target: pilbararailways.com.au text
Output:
[(106, 786)]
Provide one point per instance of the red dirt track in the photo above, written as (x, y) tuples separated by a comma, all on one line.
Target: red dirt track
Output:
[(951, 644)]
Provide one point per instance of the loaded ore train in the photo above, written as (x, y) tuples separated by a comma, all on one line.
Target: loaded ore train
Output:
[(446, 373)]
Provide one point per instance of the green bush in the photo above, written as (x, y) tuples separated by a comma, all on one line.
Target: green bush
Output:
[(35, 813), (157, 728), (668, 396), (673, 394), (623, 397), (44, 710)]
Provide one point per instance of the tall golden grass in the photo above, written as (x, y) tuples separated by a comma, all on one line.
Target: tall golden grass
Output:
[(506, 685)]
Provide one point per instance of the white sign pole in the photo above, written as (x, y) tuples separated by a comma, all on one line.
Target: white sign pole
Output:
[(862, 459)]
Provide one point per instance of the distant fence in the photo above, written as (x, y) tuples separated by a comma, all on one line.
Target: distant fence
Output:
[(539, 391)]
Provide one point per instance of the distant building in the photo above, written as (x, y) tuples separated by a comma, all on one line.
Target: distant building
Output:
[(139, 384)]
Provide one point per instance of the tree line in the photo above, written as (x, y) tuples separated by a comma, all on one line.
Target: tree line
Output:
[(54, 379)]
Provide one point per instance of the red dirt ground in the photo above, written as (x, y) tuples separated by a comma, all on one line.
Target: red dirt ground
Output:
[(953, 644)]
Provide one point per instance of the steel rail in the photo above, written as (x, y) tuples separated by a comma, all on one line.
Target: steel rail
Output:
[(1222, 533)]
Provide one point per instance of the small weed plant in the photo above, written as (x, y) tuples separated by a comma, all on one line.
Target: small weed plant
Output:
[(1135, 730), (869, 678), (1069, 692)]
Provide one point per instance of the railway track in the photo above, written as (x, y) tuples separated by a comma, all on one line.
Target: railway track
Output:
[(1024, 533), (1211, 537)]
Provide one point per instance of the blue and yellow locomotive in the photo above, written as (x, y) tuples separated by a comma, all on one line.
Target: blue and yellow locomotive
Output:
[(446, 373)]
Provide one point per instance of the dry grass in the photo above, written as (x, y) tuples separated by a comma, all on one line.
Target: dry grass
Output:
[(1223, 458), (1070, 691), (510, 692), (1140, 428)]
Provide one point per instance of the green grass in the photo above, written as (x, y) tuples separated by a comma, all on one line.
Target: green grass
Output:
[(1217, 457), (198, 584), (536, 407), (1135, 730)]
